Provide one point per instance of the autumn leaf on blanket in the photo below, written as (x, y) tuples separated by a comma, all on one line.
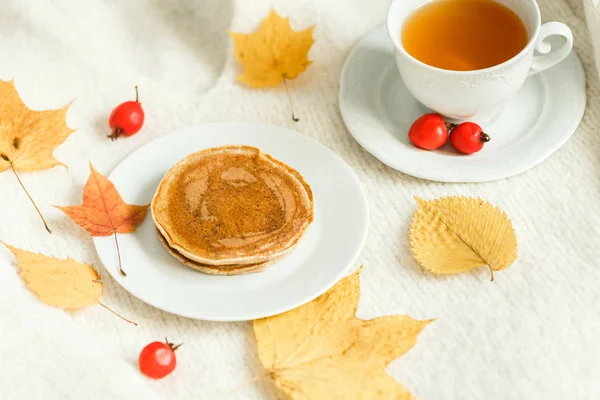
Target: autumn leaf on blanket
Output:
[(66, 284), (28, 138), (455, 234), (272, 54), (322, 351), (103, 211)]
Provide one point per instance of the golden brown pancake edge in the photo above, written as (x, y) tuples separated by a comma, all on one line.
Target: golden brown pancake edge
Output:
[(229, 270), (300, 190)]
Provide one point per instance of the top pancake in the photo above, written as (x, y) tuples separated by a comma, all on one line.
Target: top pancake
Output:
[(232, 205)]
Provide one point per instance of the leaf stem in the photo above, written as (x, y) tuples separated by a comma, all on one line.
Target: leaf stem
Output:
[(287, 92), (12, 167), (119, 256), (118, 315)]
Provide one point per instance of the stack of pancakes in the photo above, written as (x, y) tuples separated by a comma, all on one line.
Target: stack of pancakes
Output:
[(231, 210)]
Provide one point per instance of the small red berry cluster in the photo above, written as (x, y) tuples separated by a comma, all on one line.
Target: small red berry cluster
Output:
[(431, 132)]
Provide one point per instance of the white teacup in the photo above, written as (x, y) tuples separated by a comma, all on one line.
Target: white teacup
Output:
[(476, 94)]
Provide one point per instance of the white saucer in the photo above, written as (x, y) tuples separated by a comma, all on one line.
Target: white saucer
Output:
[(378, 111), (323, 256)]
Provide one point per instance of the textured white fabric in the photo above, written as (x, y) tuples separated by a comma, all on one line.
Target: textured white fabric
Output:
[(532, 334)]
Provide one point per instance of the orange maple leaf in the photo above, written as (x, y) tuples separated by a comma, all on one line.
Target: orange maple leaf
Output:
[(103, 211)]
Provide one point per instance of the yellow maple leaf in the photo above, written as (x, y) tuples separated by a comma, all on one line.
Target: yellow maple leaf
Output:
[(273, 53), (322, 351), (66, 284), (457, 234), (28, 138)]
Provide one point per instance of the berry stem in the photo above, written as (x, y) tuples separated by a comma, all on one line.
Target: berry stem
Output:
[(287, 92), (484, 137), (118, 315), (12, 167), (450, 126), (491, 273), (137, 96), (172, 345), (115, 134), (119, 256)]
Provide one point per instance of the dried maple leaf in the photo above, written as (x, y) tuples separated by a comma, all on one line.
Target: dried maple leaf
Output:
[(28, 138), (322, 351), (103, 211), (273, 54), (66, 284), (456, 234)]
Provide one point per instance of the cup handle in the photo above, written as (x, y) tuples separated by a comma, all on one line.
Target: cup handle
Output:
[(548, 58)]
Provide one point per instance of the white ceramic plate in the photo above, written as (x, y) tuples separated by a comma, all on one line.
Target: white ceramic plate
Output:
[(378, 111), (323, 256)]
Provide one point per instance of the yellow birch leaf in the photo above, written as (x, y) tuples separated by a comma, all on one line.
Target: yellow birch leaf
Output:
[(66, 284), (28, 138), (457, 234), (321, 351), (273, 53)]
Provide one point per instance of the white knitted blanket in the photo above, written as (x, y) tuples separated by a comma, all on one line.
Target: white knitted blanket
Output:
[(532, 334)]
